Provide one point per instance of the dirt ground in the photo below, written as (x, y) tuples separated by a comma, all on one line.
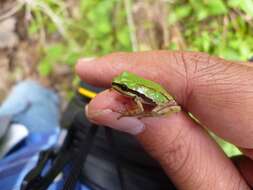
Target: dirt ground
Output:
[(19, 56)]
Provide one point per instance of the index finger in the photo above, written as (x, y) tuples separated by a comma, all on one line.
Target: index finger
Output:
[(219, 93)]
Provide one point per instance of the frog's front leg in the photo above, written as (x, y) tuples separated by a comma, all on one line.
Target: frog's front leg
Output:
[(135, 112), (139, 104)]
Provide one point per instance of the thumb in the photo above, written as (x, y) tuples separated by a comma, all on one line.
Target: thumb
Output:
[(184, 150)]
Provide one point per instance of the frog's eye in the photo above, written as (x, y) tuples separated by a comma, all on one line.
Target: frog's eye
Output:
[(123, 87)]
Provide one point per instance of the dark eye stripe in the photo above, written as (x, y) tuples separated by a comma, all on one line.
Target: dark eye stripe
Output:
[(125, 88), (121, 86)]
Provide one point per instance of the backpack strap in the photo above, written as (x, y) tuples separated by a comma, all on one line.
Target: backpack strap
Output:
[(80, 158)]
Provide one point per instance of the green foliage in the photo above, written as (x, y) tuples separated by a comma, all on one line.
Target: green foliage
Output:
[(47, 16), (104, 25), (100, 27), (222, 28), (53, 54), (63, 53), (204, 9), (229, 149), (244, 5)]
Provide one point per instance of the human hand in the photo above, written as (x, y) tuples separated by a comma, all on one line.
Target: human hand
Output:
[(218, 93)]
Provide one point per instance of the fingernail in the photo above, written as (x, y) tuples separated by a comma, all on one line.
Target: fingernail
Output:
[(109, 118), (80, 63), (95, 114)]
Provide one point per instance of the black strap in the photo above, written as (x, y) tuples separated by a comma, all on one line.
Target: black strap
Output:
[(55, 169), (34, 179), (34, 175), (74, 151), (80, 159), (110, 139)]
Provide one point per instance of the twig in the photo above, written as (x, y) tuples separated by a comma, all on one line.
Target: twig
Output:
[(165, 28), (248, 19), (131, 25), (56, 20)]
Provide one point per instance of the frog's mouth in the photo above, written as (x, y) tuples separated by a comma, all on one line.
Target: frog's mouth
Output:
[(120, 88)]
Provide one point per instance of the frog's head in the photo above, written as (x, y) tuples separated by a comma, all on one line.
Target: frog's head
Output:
[(122, 78), (127, 83), (122, 83)]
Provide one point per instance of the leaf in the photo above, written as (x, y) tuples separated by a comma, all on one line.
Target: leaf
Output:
[(204, 9), (179, 13), (45, 68), (216, 7), (55, 50), (173, 46), (206, 41), (199, 9), (230, 54), (234, 3), (104, 27), (245, 5), (72, 57), (33, 28), (123, 37), (53, 54)]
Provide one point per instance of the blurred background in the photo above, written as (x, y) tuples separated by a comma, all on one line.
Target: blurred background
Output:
[(42, 39)]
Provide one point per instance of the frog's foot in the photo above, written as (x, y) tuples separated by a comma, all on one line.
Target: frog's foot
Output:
[(129, 113), (157, 111), (145, 114), (165, 109)]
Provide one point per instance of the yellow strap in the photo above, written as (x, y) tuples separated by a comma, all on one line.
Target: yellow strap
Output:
[(87, 93)]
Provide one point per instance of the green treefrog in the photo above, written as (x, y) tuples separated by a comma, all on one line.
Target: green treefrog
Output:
[(144, 93)]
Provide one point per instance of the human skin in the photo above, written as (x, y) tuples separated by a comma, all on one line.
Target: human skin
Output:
[(217, 92)]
